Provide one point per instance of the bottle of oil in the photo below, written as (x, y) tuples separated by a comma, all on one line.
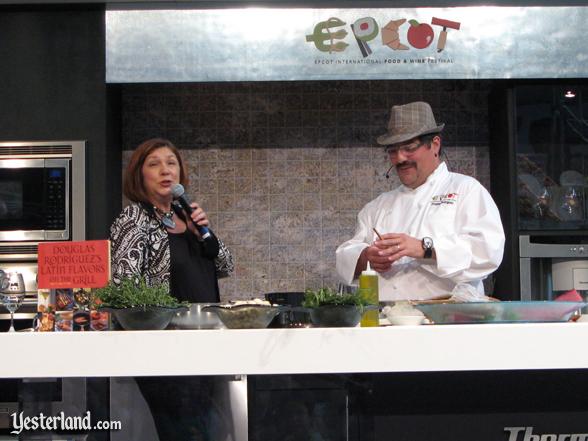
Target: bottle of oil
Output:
[(368, 289)]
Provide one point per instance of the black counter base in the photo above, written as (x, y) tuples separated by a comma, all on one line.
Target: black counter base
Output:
[(440, 406)]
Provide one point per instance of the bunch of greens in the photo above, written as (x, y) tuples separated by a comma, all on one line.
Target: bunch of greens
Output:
[(135, 292), (327, 296)]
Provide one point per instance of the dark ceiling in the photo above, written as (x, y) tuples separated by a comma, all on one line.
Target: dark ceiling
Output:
[(303, 3)]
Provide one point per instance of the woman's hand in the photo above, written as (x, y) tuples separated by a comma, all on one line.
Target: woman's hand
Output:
[(199, 216)]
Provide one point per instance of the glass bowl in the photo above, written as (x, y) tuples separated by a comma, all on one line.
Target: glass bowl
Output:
[(143, 318), (500, 312), (335, 316), (245, 316)]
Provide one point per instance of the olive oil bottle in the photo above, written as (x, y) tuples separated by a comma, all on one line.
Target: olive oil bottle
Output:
[(368, 289)]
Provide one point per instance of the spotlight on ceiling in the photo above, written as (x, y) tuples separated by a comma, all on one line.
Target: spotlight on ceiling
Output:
[(570, 94)]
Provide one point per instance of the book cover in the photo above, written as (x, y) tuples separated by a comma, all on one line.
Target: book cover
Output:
[(74, 264), (63, 268)]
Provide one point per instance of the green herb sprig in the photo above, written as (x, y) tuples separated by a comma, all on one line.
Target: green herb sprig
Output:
[(135, 292), (328, 296)]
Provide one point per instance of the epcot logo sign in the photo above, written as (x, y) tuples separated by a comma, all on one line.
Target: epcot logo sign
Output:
[(252, 44), (329, 35)]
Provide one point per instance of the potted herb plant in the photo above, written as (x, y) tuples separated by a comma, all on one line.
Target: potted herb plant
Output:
[(137, 305), (330, 309)]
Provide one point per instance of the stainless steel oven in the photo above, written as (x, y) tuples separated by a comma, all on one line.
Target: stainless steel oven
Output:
[(34, 199), (42, 191), (47, 396), (42, 198)]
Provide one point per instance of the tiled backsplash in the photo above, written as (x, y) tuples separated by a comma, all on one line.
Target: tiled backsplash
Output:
[(283, 168)]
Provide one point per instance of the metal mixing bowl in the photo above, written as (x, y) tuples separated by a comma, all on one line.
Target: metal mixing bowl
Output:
[(196, 318)]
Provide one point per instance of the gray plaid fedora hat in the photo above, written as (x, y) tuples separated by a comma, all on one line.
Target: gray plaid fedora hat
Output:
[(409, 121)]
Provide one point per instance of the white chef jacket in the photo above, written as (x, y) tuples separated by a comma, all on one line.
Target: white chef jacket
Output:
[(456, 211)]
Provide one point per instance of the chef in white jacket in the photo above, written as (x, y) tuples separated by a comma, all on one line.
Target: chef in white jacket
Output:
[(440, 231)]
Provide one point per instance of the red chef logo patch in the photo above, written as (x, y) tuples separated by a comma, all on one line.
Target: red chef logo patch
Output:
[(449, 198)]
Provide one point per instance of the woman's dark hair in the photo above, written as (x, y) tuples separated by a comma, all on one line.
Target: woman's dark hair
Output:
[(133, 187)]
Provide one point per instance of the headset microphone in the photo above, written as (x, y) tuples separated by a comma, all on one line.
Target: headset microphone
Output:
[(388, 172)]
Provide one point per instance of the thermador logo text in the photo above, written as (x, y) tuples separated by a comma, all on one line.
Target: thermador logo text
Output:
[(526, 434)]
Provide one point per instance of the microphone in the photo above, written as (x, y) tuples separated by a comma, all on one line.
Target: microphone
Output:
[(388, 172), (179, 194)]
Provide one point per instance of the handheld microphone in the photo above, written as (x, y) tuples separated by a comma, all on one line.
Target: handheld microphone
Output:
[(388, 172), (179, 194)]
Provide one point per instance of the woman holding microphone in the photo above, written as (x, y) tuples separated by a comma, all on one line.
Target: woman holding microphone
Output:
[(168, 242), (155, 238)]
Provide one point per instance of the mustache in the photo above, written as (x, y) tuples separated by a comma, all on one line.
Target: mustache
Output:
[(406, 164)]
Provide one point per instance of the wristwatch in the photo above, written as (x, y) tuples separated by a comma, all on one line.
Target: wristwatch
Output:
[(428, 247)]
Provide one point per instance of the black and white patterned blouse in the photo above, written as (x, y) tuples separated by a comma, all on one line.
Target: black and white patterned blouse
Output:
[(140, 247)]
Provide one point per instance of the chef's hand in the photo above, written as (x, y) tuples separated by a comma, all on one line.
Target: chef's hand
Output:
[(394, 246), (378, 263)]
